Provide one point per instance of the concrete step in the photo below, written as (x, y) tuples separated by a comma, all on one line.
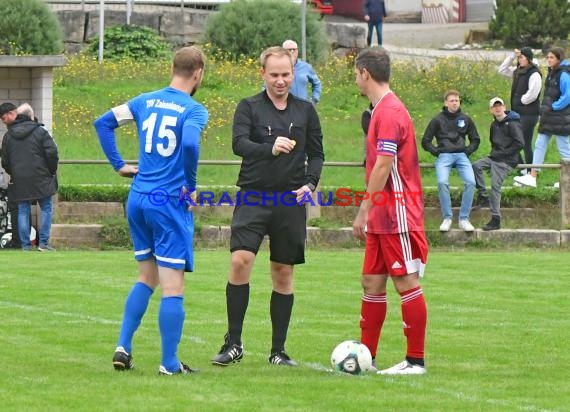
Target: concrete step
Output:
[(76, 235), (89, 236), (86, 212), (218, 236)]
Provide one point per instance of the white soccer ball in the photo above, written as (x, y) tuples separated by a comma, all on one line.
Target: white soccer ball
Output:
[(351, 357)]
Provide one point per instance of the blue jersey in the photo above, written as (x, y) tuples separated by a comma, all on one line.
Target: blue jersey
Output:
[(164, 119)]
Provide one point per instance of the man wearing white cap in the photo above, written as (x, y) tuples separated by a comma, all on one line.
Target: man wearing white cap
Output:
[(506, 143)]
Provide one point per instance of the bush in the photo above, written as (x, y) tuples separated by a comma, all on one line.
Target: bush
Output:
[(244, 28), (115, 234), (29, 27), (131, 41), (93, 193), (534, 23)]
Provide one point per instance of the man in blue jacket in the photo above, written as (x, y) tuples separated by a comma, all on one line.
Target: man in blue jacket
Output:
[(374, 14), (304, 74)]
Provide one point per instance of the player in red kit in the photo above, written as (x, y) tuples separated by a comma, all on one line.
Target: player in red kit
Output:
[(396, 245)]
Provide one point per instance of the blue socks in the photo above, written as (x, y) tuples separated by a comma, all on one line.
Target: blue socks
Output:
[(170, 321), (135, 307)]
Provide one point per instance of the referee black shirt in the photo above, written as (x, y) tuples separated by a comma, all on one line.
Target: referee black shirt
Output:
[(257, 123)]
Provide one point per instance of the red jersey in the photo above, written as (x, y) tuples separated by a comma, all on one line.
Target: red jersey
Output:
[(399, 208)]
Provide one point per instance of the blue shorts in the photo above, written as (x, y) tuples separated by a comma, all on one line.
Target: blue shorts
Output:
[(162, 228)]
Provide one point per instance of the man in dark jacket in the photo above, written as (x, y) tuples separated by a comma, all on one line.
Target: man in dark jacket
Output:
[(30, 156), (451, 129), (507, 140), (374, 14)]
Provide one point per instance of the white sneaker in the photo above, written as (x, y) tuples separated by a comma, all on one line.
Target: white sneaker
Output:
[(404, 368), (557, 185), (373, 367), (466, 225), (526, 180), (445, 225)]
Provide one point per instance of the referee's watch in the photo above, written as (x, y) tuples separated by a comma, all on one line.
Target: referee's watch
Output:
[(311, 186)]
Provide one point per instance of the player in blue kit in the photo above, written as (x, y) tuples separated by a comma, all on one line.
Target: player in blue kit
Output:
[(169, 123)]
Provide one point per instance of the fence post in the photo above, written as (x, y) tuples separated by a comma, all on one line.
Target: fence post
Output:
[(565, 194), (314, 211)]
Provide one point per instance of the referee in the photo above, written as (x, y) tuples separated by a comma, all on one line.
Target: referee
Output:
[(279, 139)]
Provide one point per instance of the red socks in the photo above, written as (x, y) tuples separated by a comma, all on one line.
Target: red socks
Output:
[(414, 315), (372, 315)]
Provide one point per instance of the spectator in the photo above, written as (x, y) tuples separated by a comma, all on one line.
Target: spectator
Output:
[(278, 136), (170, 122), (507, 140), (525, 92), (303, 75), (554, 113), (8, 114), (374, 15), (396, 245), (451, 129), (30, 157)]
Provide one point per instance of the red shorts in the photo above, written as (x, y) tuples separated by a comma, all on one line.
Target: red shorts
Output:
[(397, 254)]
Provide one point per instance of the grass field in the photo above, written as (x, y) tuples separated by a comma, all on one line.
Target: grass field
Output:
[(497, 338)]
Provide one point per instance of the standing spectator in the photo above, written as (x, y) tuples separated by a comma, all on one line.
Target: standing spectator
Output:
[(374, 14), (396, 245), (303, 74), (525, 92), (507, 140), (554, 113), (8, 114), (275, 134), (169, 123), (30, 157), (451, 129)]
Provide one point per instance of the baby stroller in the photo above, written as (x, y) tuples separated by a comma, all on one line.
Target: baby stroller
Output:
[(5, 227)]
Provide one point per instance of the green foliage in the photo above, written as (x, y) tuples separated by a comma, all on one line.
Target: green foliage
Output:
[(131, 41), (115, 233), (244, 28), (93, 193), (29, 27), (535, 23)]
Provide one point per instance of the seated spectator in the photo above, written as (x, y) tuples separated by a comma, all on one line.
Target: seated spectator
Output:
[(507, 140), (451, 129)]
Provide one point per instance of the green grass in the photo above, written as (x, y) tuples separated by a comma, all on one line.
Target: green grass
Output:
[(497, 338)]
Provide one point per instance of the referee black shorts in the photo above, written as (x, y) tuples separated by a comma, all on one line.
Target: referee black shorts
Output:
[(284, 221)]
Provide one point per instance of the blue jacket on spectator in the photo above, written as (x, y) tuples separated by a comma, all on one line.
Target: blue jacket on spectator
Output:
[(305, 74)]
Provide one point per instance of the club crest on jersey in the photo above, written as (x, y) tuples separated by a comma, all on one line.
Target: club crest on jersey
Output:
[(461, 123)]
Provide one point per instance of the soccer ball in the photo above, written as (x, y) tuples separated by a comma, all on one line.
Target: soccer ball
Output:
[(351, 357)]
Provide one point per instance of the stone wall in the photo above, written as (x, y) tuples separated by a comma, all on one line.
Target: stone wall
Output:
[(81, 24), (178, 25)]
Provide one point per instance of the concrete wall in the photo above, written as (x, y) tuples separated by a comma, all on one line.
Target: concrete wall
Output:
[(29, 79)]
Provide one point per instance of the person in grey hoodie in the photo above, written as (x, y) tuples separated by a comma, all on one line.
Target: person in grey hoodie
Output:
[(507, 140)]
